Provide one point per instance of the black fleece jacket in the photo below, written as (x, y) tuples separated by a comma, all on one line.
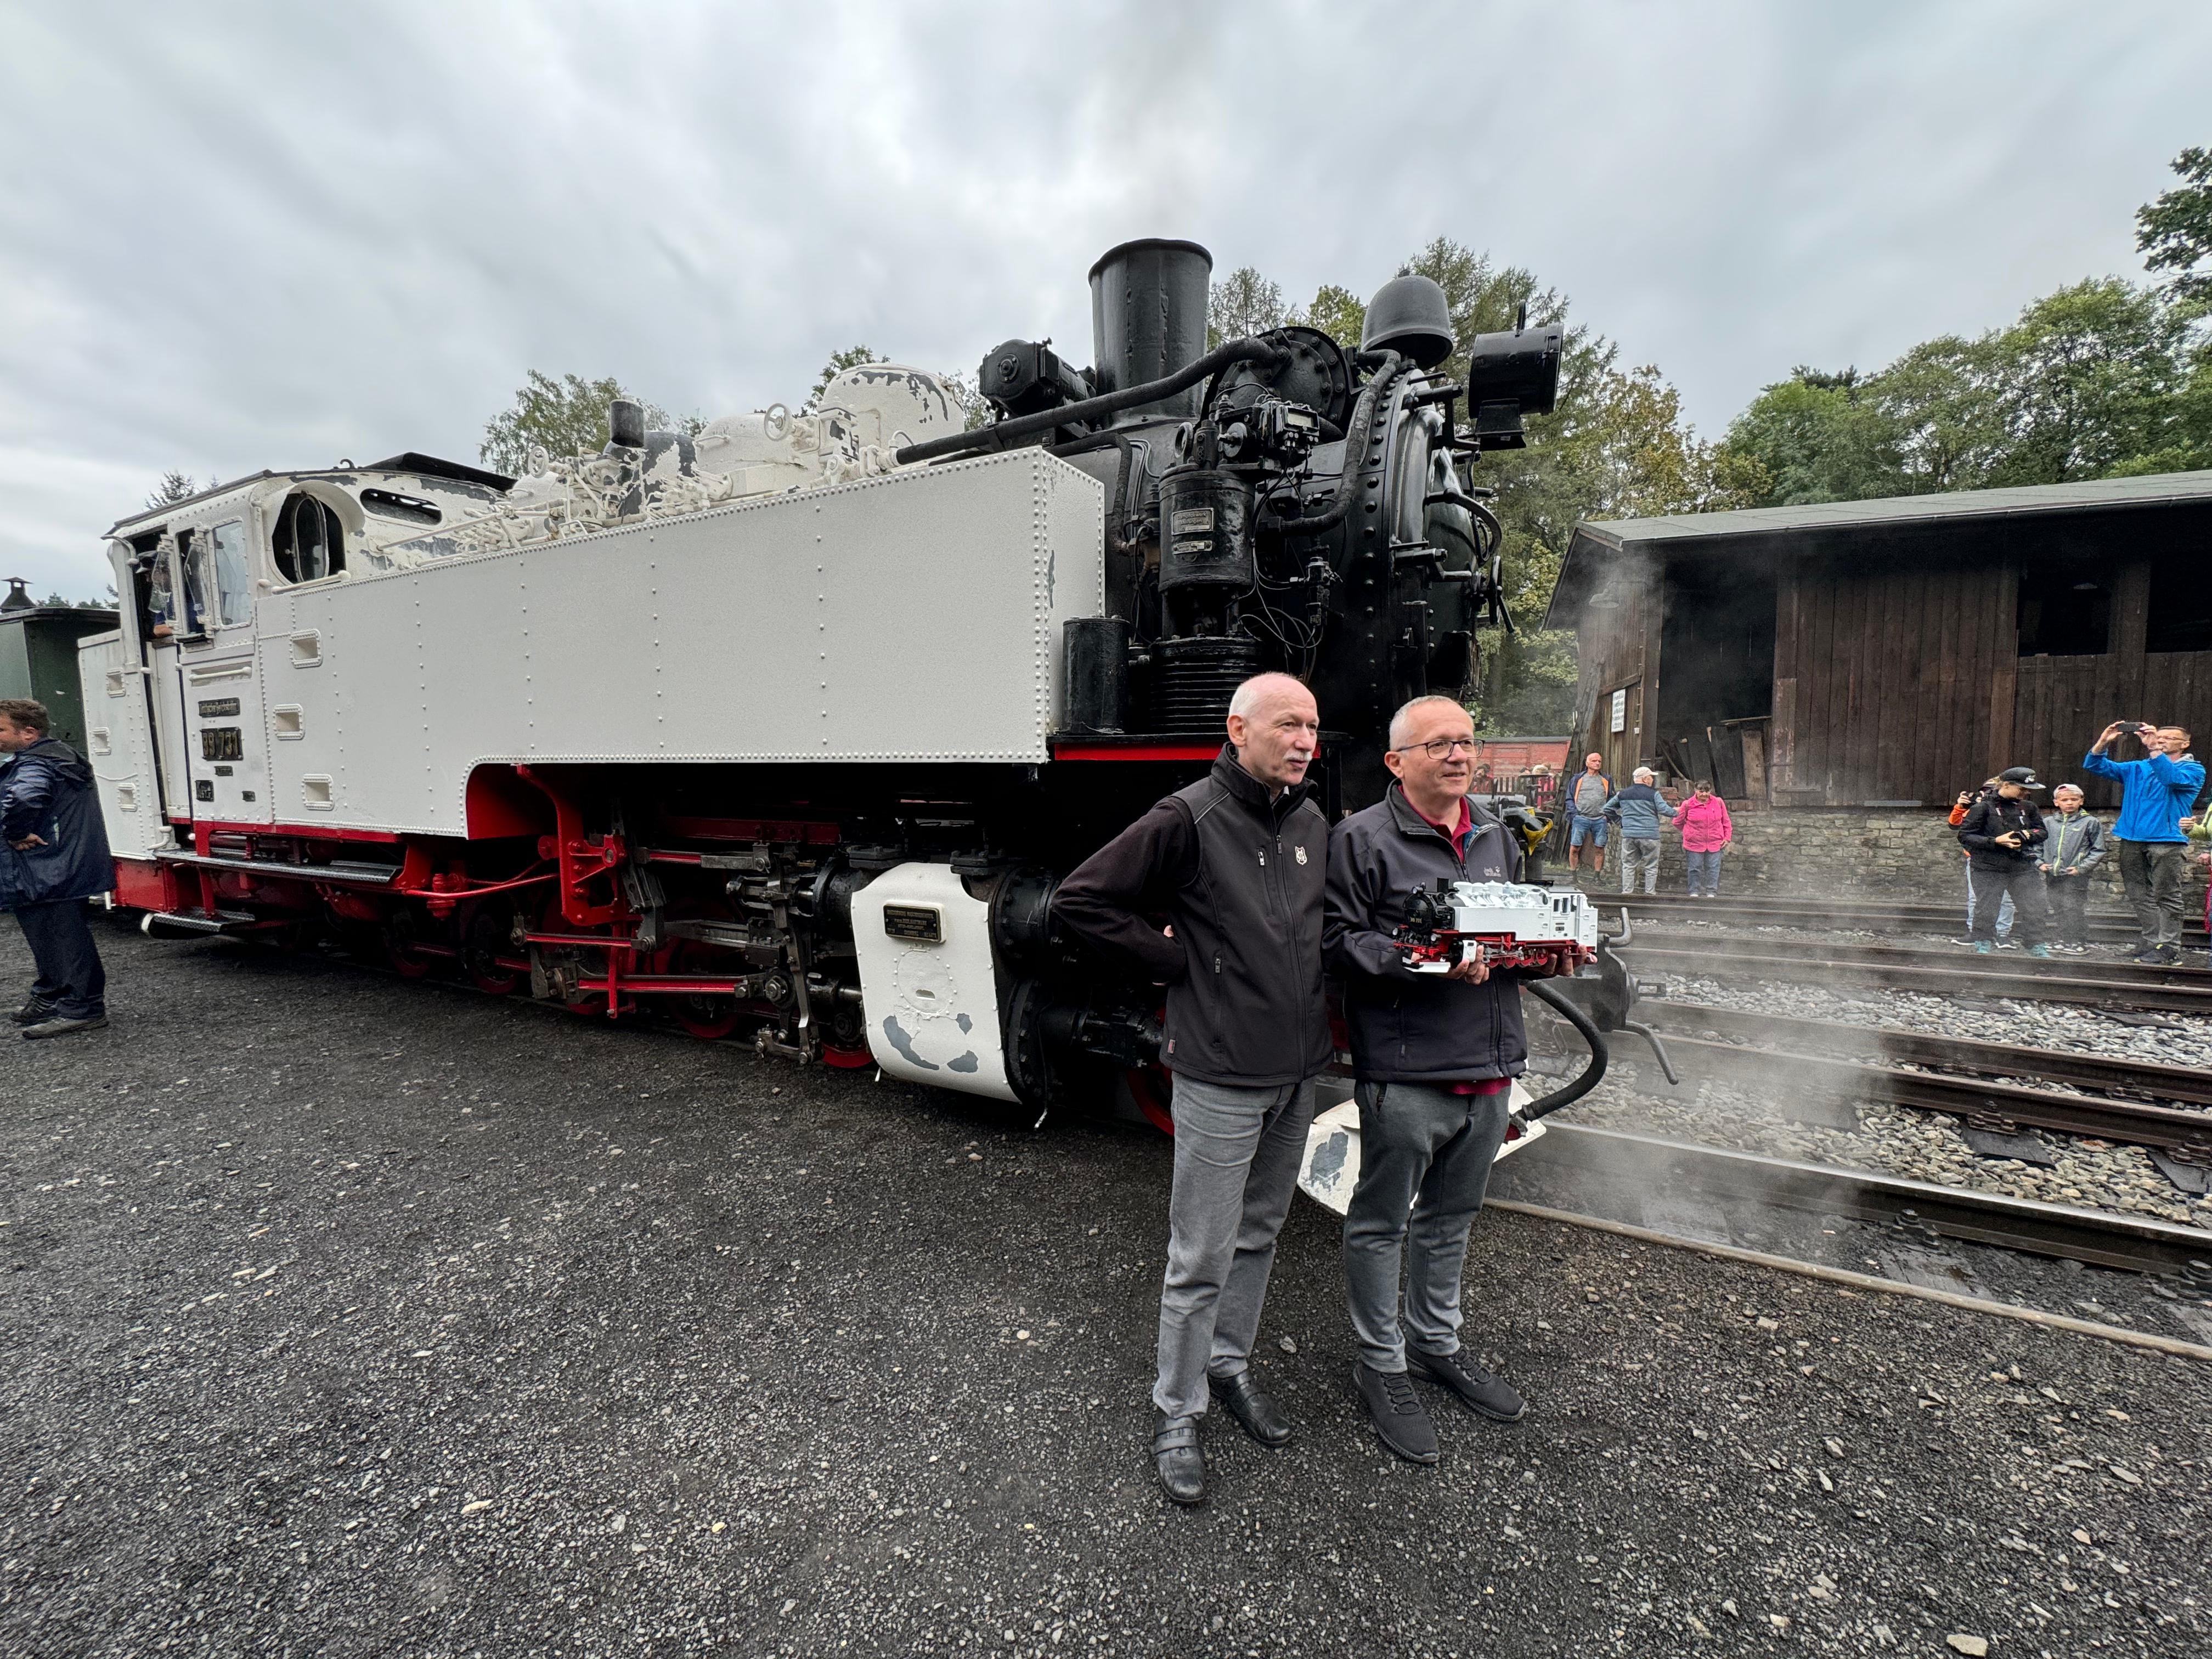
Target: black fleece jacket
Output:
[(1239, 873)]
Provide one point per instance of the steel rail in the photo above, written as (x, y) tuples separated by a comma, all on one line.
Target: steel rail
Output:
[(1973, 1055), (2102, 1238), (2004, 1107), (2102, 971), (1756, 963), (1868, 914)]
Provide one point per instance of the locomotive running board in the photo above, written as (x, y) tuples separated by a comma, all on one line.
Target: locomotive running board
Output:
[(351, 875), (201, 921)]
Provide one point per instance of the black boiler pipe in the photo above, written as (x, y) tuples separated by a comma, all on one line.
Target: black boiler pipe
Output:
[(1031, 426)]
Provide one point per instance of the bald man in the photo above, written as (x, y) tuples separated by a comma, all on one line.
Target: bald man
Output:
[(1237, 863)]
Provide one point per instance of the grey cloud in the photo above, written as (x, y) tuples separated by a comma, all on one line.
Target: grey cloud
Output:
[(269, 236)]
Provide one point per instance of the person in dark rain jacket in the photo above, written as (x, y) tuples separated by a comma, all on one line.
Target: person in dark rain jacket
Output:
[(2004, 834), (54, 858), (1434, 1056)]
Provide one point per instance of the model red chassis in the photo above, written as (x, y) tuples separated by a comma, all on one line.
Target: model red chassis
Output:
[(1445, 948)]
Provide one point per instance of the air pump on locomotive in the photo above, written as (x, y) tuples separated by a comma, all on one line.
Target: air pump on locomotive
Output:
[(788, 727)]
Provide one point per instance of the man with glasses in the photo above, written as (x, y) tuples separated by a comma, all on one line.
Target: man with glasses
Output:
[(1434, 1056), (1236, 862)]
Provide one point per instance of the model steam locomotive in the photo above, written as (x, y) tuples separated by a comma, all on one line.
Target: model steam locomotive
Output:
[(790, 726)]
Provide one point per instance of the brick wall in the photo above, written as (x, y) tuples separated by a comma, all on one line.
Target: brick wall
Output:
[(1905, 853)]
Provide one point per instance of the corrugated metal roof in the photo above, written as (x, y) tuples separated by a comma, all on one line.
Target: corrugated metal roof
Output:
[(2152, 490), (1593, 539)]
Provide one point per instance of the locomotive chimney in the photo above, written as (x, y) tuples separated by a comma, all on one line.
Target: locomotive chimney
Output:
[(1148, 320)]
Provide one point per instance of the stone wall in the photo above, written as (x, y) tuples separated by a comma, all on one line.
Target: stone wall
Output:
[(1909, 854)]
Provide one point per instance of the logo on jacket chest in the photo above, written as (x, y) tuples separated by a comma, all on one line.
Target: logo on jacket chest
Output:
[(1302, 854)]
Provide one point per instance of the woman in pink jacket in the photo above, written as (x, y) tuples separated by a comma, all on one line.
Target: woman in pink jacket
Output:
[(1703, 821)]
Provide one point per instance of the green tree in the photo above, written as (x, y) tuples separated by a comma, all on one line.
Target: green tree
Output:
[(850, 357), (1813, 437), (565, 416), (2174, 233), (173, 488), (2086, 381), (1336, 312), (1241, 304)]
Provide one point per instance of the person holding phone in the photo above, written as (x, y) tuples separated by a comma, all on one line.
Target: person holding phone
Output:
[(2156, 794)]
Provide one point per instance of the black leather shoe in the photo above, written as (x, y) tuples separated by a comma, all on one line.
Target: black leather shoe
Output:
[(32, 1012), (54, 1026), (1480, 1391), (1256, 1413), (1175, 1453), (1396, 1411)]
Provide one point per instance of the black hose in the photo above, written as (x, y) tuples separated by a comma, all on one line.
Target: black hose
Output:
[(1355, 451), (1000, 435), (1600, 1055)]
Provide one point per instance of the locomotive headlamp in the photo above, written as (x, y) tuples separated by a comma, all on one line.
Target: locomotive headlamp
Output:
[(1510, 374)]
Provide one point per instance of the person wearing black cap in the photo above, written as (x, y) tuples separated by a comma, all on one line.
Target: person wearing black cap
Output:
[(2002, 834)]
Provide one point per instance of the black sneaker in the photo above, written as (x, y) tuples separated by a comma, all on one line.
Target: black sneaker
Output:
[(1396, 1411), (55, 1026), (34, 1013), (2169, 956), (1478, 1390)]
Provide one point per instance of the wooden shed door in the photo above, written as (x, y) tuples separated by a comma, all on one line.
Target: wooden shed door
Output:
[(1620, 729)]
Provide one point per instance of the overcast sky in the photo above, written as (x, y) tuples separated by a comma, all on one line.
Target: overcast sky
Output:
[(238, 236)]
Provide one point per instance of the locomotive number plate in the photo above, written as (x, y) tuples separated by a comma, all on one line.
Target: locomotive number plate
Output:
[(922, 924), (1188, 520), (215, 708), (221, 743)]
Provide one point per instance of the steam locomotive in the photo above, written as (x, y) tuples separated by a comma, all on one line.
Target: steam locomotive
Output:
[(789, 726)]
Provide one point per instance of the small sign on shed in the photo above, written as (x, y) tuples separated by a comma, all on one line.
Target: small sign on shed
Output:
[(1619, 710)]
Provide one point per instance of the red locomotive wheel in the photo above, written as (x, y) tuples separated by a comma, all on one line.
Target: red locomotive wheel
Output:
[(1152, 1087), (483, 940), (402, 932), (709, 1019)]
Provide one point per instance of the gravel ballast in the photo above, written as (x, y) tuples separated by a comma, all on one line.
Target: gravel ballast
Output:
[(351, 1316)]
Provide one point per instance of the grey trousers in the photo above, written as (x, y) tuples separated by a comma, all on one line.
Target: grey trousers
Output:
[(1635, 855), (2150, 871), (1425, 1158), (1237, 1157)]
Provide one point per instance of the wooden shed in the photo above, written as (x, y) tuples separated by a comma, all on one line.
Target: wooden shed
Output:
[(1892, 653)]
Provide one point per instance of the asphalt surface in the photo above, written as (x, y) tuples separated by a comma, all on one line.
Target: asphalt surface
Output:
[(345, 1316)]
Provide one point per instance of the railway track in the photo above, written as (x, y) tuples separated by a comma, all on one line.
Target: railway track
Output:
[(1868, 915), (2117, 985), (1987, 1098), (1916, 1210)]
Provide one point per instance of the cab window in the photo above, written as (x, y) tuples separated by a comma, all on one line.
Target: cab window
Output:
[(309, 542), (233, 582)]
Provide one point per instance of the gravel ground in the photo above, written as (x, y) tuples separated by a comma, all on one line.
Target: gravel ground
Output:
[(353, 1317)]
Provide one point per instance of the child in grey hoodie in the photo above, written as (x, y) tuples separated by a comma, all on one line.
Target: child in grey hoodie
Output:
[(2075, 847)]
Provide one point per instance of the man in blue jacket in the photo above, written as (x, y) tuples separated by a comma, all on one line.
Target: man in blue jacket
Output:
[(2158, 793), (1638, 809), (56, 858)]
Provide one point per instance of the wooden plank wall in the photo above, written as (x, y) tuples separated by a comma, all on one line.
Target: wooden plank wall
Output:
[(1618, 645), (1888, 679), (2064, 702)]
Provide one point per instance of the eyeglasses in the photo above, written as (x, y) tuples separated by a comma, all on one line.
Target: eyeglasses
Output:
[(1440, 747)]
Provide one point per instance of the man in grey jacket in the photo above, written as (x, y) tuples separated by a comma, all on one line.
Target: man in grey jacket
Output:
[(1434, 1056), (1638, 809), (1237, 863)]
